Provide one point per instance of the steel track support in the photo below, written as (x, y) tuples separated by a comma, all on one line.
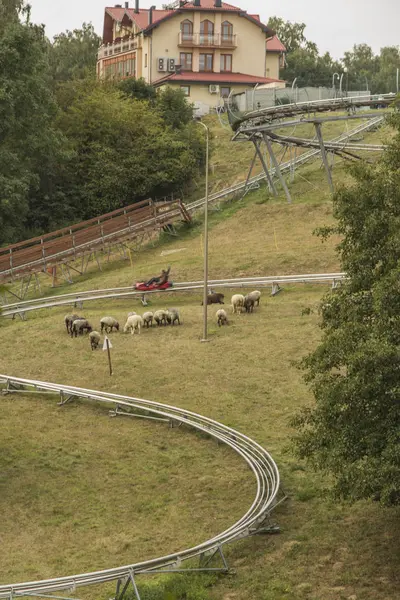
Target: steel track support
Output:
[(277, 168), (249, 173), (271, 185), (275, 289), (324, 155)]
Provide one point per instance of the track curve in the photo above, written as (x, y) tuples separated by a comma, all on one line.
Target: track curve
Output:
[(257, 458)]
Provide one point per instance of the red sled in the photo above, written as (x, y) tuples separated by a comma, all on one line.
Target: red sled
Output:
[(142, 287)]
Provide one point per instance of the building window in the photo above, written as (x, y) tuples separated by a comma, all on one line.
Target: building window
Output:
[(227, 31), (187, 30), (226, 63), (206, 62), (186, 90), (225, 91), (206, 33), (145, 60), (185, 61)]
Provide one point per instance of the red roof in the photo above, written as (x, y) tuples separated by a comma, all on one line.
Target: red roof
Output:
[(196, 77), (142, 17), (274, 44)]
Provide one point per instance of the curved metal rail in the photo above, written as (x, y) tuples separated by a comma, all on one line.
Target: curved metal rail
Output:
[(77, 299), (257, 458)]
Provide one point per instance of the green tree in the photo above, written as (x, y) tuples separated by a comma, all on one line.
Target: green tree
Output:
[(174, 108), (73, 54), (292, 35), (124, 151), (137, 88), (31, 149), (353, 431)]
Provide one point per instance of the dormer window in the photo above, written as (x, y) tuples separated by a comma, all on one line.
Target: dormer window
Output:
[(227, 31), (187, 30)]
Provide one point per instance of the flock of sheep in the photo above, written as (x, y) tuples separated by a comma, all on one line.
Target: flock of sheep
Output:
[(77, 325)]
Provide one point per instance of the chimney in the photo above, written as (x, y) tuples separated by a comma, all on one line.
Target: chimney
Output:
[(126, 4), (136, 6), (151, 14), (196, 3), (218, 3)]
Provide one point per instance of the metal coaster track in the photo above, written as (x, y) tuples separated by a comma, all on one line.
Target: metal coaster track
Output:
[(257, 458)]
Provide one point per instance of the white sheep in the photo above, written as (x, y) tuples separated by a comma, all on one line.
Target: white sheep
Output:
[(160, 317), (130, 314), (108, 324), (94, 338), (148, 319), (237, 302), (79, 326), (222, 317), (256, 295), (172, 316), (133, 323), (69, 319)]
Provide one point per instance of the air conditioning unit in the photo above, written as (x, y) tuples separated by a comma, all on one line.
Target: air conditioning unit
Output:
[(171, 65), (161, 64), (213, 88)]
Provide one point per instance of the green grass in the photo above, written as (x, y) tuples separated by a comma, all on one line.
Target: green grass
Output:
[(82, 491)]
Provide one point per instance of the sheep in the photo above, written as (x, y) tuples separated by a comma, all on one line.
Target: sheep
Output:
[(69, 319), (160, 317), (131, 314), (134, 322), (94, 338), (148, 319), (248, 304), (214, 298), (256, 295), (172, 316), (79, 326), (108, 324), (222, 317), (237, 302)]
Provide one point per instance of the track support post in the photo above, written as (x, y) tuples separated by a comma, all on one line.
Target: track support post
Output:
[(277, 168), (324, 155), (271, 185)]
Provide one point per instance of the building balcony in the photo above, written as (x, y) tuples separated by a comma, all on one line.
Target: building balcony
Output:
[(206, 40), (120, 45)]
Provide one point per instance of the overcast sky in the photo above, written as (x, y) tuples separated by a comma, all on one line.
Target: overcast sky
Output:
[(335, 26)]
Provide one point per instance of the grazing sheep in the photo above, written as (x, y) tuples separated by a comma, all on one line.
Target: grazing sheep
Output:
[(160, 317), (69, 319), (108, 324), (172, 316), (237, 302), (214, 298), (148, 319), (79, 326), (131, 314), (94, 338), (248, 304), (256, 295), (133, 323), (222, 317)]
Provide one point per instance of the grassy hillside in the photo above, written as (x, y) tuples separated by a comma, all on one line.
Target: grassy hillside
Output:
[(81, 491)]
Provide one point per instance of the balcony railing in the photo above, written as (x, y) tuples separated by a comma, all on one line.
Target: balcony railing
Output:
[(207, 40), (119, 46)]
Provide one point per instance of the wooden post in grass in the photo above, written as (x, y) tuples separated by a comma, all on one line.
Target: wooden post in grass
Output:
[(106, 346)]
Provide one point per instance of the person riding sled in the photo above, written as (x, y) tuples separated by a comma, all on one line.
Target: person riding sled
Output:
[(163, 278)]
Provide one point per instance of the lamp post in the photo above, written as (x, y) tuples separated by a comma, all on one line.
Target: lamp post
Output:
[(205, 289), (334, 76)]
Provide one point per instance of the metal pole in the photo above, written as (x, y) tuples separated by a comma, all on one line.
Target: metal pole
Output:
[(264, 165), (276, 166), (397, 80), (205, 289), (324, 156)]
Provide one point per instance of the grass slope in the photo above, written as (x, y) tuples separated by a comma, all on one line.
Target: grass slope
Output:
[(82, 491)]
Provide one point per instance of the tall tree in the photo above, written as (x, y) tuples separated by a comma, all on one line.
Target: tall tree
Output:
[(30, 146), (73, 54), (353, 431)]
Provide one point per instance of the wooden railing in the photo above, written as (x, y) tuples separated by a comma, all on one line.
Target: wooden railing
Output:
[(37, 254)]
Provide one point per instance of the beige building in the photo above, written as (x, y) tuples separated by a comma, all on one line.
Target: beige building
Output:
[(206, 48)]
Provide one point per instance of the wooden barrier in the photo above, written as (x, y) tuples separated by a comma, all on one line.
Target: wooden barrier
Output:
[(43, 252)]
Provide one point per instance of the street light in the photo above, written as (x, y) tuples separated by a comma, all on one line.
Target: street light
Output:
[(334, 76), (205, 290), (345, 70)]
